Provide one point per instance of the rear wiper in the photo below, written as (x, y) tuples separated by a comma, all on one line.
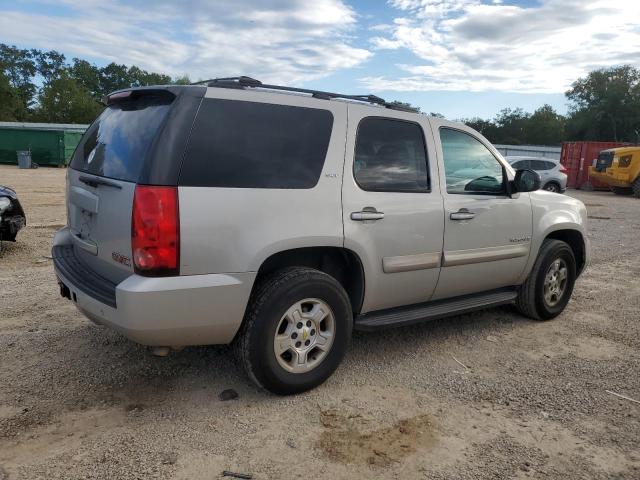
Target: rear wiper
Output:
[(95, 181)]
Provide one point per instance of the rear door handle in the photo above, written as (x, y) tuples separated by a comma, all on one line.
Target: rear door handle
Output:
[(462, 214), (367, 213)]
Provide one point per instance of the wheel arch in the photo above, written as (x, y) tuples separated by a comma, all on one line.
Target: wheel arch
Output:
[(555, 182), (576, 241), (341, 263)]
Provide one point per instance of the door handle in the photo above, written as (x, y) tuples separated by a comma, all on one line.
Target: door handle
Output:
[(462, 214), (367, 213)]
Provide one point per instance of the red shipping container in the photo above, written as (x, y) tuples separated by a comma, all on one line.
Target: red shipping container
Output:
[(577, 157)]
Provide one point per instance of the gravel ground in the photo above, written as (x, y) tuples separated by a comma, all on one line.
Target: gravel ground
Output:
[(80, 401)]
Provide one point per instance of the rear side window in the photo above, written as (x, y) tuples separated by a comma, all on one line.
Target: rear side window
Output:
[(521, 164), (541, 165), (116, 144), (240, 144), (390, 156)]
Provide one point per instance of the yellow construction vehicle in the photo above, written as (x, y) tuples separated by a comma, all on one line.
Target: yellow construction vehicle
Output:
[(620, 169)]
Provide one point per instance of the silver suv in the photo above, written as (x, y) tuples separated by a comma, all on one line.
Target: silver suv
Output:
[(280, 219)]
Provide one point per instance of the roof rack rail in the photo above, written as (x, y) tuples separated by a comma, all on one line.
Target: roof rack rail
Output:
[(244, 82)]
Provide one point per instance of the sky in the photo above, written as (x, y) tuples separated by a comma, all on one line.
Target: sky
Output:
[(461, 58)]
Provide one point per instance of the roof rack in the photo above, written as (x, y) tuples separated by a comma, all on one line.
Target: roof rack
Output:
[(248, 82)]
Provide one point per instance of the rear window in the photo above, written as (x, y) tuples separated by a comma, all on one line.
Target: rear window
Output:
[(239, 144), (116, 144)]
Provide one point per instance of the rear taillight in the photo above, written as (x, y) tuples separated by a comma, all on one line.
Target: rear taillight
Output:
[(563, 170), (155, 231)]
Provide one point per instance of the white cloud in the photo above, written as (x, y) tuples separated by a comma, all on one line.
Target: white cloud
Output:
[(464, 45), (286, 41)]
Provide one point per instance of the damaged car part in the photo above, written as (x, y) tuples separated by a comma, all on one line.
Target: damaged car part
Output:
[(12, 217)]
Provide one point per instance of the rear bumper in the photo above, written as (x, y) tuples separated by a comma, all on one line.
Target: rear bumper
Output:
[(182, 310)]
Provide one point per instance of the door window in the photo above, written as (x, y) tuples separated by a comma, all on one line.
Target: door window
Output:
[(390, 156), (470, 167)]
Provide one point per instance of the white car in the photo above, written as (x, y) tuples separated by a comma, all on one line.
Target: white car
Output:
[(551, 171)]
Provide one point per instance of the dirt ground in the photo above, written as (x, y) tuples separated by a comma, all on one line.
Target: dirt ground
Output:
[(80, 401)]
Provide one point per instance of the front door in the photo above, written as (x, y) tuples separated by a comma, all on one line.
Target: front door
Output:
[(487, 233), (392, 207)]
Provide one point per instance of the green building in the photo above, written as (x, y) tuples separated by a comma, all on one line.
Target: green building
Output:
[(49, 143)]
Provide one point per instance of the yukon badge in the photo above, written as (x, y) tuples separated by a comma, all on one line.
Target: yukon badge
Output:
[(520, 239), (123, 259)]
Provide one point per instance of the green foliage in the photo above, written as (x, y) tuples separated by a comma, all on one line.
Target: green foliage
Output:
[(545, 127), (183, 80), (517, 127), (19, 67), (42, 86), (10, 103), (87, 75), (64, 100), (606, 105)]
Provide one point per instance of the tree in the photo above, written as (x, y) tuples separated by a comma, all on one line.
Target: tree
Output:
[(10, 103), (545, 127), (19, 67), (485, 127), (50, 64), (114, 77), (64, 100), (606, 104), (87, 75), (511, 126), (517, 127), (183, 80)]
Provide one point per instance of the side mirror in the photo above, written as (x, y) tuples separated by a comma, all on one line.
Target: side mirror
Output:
[(526, 181)]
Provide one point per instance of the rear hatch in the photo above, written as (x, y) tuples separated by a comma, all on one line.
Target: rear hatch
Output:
[(138, 139)]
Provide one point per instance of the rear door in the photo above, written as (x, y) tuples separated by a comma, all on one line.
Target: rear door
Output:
[(543, 169), (113, 156), (392, 208)]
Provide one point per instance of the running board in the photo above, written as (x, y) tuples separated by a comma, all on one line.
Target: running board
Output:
[(401, 316)]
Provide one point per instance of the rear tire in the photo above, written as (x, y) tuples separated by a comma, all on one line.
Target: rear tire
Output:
[(622, 190), (296, 330), (547, 290)]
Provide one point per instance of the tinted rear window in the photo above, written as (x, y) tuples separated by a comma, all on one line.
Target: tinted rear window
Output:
[(116, 144), (256, 145)]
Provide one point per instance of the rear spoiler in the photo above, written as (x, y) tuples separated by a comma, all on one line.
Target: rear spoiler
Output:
[(164, 93)]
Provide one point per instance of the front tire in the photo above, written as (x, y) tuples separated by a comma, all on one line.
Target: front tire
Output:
[(635, 186), (547, 290), (296, 330)]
